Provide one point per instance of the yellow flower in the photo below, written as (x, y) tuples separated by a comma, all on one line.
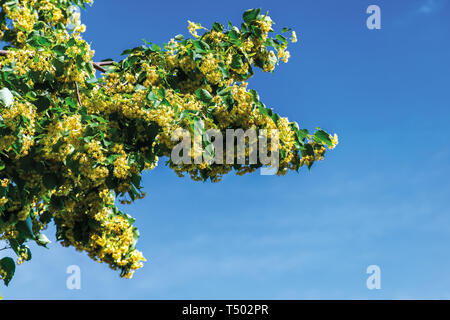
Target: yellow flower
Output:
[(121, 167), (334, 141), (294, 37), (193, 27), (284, 55), (3, 201), (4, 183)]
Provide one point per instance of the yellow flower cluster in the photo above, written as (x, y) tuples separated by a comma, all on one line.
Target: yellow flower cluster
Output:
[(3, 275), (283, 55), (294, 37), (23, 18), (121, 167), (152, 75), (3, 201), (266, 26), (193, 27), (209, 69), (334, 141), (115, 241), (4, 182), (111, 241)]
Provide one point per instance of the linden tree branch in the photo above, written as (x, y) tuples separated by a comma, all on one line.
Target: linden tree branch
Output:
[(97, 65)]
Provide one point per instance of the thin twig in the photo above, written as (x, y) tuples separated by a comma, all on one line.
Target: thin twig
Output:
[(97, 65), (5, 248), (78, 94), (105, 63)]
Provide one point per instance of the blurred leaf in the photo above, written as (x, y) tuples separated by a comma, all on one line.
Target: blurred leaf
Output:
[(8, 265), (323, 137), (42, 240), (203, 95), (6, 97), (251, 15)]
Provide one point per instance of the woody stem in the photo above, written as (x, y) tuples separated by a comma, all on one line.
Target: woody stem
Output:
[(97, 65)]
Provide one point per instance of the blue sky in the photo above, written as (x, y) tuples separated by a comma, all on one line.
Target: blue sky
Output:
[(381, 197)]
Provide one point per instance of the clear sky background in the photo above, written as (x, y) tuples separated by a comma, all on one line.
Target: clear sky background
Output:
[(381, 197)]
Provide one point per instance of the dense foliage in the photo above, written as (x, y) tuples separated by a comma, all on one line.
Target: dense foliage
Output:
[(71, 143)]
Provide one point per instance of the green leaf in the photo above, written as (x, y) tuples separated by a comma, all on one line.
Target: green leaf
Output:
[(201, 46), (162, 92), (135, 236), (50, 181), (222, 68), (236, 62), (255, 95), (203, 95), (187, 114), (111, 158), (26, 227), (275, 118), (233, 34), (152, 97), (8, 265), (57, 202), (302, 134), (229, 101), (92, 80), (323, 137), (12, 4), (42, 103), (307, 150), (234, 37), (251, 15), (224, 91), (281, 38), (217, 27), (6, 97), (199, 127), (256, 31), (70, 102), (60, 50), (139, 87), (58, 63), (42, 240), (90, 68), (36, 40), (262, 108), (136, 181), (45, 217)]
